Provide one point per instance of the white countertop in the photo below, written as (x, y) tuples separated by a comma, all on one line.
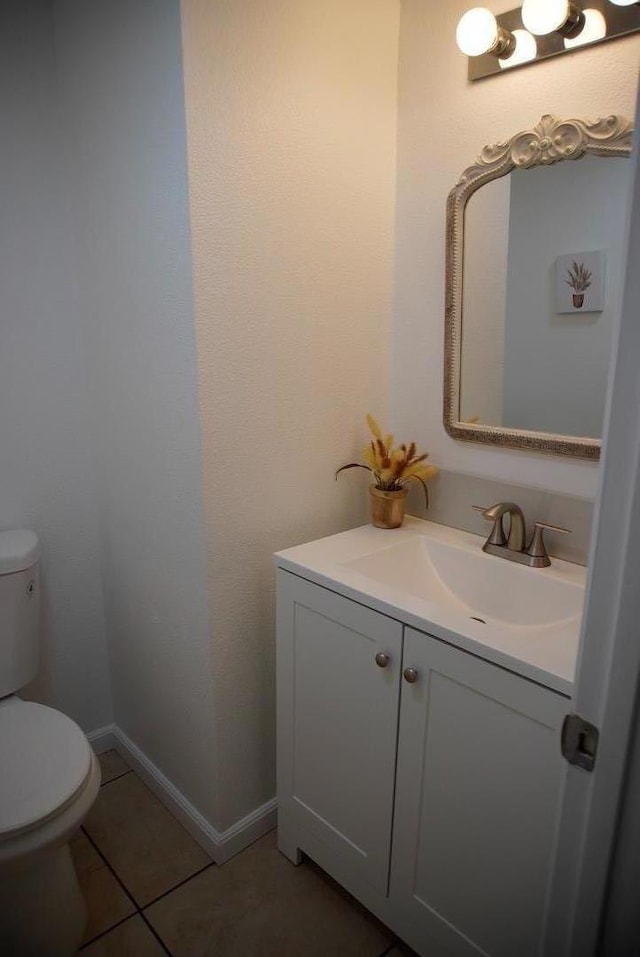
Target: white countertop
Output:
[(543, 653)]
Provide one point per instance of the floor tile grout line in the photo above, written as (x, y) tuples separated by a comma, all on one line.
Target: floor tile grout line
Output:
[(179, 884), (117, 778), (112, 869), (103, 933), (139, 907), (155, 933)]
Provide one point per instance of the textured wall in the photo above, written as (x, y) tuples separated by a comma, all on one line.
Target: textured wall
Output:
[(46, 467), (291, 108), (443, 122), (121, 82)]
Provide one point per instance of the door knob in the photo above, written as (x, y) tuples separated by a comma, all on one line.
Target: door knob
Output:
[(410, 675), (382, 659)]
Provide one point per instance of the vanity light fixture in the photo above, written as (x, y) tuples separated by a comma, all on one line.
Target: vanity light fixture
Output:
[(540, 29), (595, 28), (478, 32), (525, 50), (542, 17)]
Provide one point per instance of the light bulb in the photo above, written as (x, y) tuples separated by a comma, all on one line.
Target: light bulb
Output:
[(595, 28), (552, 16), (477, 32), (623, 3), (526, 50), (544, 16)]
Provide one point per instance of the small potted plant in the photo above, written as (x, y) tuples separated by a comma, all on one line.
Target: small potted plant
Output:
[(392, 468), (579, 280)]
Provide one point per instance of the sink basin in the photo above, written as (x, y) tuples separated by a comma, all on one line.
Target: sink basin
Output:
[(438, 580), (469, 582)]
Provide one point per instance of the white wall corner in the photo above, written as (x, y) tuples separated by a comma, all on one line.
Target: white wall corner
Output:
[(220, 845), (102, 739)]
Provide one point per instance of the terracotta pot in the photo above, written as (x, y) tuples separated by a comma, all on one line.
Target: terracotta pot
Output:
[(387, 508), (578, 299)]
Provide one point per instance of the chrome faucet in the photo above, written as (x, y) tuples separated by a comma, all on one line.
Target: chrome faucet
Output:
[(513, 547)]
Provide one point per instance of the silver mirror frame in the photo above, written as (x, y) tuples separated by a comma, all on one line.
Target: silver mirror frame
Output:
[(551, 141)]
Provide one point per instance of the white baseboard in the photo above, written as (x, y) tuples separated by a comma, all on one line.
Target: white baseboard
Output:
[(102, 739), (220, 845)]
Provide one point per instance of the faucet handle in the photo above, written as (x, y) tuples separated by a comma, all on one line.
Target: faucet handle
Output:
[(497, 536), (537, 549)]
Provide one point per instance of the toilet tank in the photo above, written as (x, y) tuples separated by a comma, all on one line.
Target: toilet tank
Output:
[(19, 598)]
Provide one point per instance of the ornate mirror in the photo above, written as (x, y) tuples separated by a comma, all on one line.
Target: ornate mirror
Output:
[(534, 274)]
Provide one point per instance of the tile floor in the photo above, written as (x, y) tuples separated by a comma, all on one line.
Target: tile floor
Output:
[(151, 890)]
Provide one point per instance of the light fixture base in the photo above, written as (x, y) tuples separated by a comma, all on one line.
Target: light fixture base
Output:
[(505, 44), (620, 22), (574, 24)]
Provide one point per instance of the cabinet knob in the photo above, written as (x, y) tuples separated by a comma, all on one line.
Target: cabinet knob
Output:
[(410, 675), (382, 659)]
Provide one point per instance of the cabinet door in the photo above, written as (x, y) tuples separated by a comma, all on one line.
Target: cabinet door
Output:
[(477, 801), (337, 723)]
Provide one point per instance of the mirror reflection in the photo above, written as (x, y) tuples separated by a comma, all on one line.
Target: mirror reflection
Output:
[(543, 260)]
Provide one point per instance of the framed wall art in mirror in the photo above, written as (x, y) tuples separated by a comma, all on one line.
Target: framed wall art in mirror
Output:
[(534, 272)]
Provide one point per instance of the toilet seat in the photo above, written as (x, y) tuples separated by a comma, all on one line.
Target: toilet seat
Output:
[(45, 761)]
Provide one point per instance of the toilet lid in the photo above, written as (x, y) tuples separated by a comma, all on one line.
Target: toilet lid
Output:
[(44, 760)]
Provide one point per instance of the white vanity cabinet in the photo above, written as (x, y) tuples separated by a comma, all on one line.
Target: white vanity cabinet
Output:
[(477, 798), (434, 801), (338, 723)]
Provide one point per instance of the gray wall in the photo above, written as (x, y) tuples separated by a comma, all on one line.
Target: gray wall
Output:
[(47, 466), (556, 365), (121, 83)]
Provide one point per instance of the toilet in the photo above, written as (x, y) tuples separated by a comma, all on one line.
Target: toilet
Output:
[(49, 778)]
